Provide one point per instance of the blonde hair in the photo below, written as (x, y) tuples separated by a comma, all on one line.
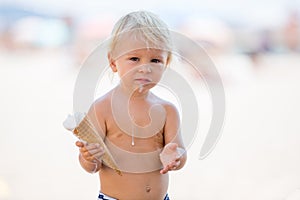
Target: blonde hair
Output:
[(143, 26)]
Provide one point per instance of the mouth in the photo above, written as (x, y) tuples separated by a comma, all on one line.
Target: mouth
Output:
[(142, 80)]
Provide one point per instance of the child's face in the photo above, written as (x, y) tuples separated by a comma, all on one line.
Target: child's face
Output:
[(141, 68)]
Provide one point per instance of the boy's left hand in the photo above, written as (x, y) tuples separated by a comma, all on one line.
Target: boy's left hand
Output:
[(170, 158)]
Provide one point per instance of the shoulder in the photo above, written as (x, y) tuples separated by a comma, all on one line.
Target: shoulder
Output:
[(104, 99), (169, 107), (99, 112), (102, 104)]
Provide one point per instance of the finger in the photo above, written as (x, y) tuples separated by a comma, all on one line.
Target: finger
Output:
[(93, 153), (92, 146), (174, 165), (177, 159), (83, 150), (89, 158), (177, 164), (168, 168), (164, 170), (96, 150), (79, 144), (86, 154)]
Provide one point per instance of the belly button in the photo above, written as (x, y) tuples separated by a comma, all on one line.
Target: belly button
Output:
[(148, 188)]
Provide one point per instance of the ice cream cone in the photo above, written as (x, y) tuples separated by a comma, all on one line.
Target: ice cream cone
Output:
[(87, 132)]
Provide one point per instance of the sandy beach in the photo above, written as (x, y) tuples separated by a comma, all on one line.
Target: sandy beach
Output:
[(257, 157)]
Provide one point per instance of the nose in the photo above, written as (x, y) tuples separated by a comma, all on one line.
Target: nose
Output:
[(145, 69)]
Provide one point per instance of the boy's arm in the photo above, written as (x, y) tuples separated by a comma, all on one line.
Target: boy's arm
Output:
[(172, 134), (90, 155)]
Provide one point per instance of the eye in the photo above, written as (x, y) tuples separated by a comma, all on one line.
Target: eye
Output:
[(156, 60), (134, 59)]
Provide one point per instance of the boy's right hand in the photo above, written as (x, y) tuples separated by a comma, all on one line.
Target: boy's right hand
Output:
[(170, 157), (90, 152)]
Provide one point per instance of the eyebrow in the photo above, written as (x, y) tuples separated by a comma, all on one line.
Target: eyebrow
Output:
[(158, 56)]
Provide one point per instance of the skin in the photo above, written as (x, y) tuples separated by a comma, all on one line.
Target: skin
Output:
[(139, 71)]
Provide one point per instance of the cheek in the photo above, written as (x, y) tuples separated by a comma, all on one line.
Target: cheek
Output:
[(125, 66), (159, 69), (157, 75), (125, 72)]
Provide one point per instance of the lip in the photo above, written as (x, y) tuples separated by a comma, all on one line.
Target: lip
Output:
[(143, 80)]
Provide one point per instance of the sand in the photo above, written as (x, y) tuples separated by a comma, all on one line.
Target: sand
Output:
[(257, 156)]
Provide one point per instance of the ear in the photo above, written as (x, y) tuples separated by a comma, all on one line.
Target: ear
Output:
[(112, 63), (169, 58)]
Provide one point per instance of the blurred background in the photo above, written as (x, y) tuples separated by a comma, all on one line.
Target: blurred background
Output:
[(255, 45)]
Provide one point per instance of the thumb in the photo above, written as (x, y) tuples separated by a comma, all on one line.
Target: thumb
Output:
[(79, 144)]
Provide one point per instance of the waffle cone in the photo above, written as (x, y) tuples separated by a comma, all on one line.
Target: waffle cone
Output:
[(88, 133)]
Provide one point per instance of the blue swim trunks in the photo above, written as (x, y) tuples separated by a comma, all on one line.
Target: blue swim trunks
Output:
[(166, 197), (102, 196)]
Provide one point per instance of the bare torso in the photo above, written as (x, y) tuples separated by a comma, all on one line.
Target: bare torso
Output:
[(138, 180)]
